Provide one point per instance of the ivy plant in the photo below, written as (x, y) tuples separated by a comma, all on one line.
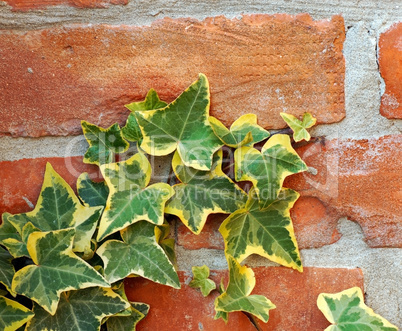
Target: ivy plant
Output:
[(62, 264)]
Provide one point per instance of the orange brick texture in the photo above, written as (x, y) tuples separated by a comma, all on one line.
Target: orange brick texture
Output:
[(261, 64), (390, 63)]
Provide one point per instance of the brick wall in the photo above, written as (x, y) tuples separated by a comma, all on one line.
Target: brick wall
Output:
[(66, 60)]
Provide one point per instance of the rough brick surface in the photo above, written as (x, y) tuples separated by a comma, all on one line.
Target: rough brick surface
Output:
[(24, 5), (390, 63), (295, 295), (262, 64), (359, 179)]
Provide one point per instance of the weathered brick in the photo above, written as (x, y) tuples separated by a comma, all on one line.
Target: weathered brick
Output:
[(359, 179), (262, 64), (23, 5), (295, 295), (390, 63)]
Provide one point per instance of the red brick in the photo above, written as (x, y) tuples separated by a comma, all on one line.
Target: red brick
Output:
[(358, 179), (262, 64), (295, 295), (23, 5), (390, 63), (23, 179)]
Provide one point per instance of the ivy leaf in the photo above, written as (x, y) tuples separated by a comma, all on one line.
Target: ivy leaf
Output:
[(268, 169), (59, 208), (56, 269), (138, 254), (92, 193), (237, 295), (13, 315), (200, 280), (6, 269), (79, 310), (131, 131), (244, 131), (103, 143), (267, 232), (129, 199), (138, 311), (184, 125), (346, 310), (162, 233), (7, 230), (202, 193), (299, 127), (18, 247)]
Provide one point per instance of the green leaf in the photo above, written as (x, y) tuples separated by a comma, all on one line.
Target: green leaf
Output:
[(92, 193), (244, 131), (7, 230), (13, 315), (267, 232), (103, 143), (6, 269), (131, 131), (18, 247), (268, 169), (59, 208), (299, 127), (138, 311), (138, 254), (237, 295), (79, 310), (162, 233), (56, 269), (129, 199), (347, 311), (200, 280), (184, 125), (202, 193)]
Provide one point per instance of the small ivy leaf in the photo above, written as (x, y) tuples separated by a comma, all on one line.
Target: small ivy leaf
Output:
[(56, 269), (244, 131), (79, 310), (7, 230), (346, 310), (131, 131), (299, 127), (130, 200), (202, 193), (237, 295), (18, 248), (59, 208), (13, 315), (184, 125), (103, 143), (138, 311), (268, 169), (268, 233), (200, 280), (92, 193), (162, 233), (6, 269), (138, 254)]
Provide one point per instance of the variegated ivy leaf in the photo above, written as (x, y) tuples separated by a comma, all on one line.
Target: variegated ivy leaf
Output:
[(244, 131), (131, 131), (347, 312), (202, 193), (267, 232), (162, 233), (79, 310), (13, 315), (138, 311), (200, 280), (184, 125), (59, 208), (6, 269), (268, 169), (92, 193), (130, 200), (237, 295), (299, 127), (56, 269), (18, 247), (7, 230), (138, 254), (103, 143)]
